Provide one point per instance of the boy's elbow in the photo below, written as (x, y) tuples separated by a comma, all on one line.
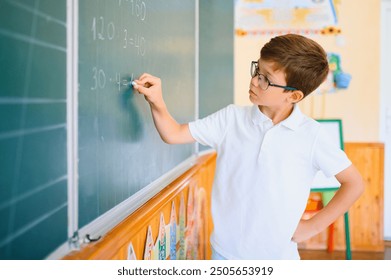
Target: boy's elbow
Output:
[(170, 139), (358, 182), (166, 139), (181, 135), (173, 140), (352, 179), (177, 139), (361, 186)]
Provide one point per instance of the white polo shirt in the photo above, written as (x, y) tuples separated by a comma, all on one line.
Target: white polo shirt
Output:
[(263, 178)]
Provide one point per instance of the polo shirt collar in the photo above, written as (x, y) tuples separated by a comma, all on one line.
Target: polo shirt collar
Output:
[(292, 122), (258, 117)]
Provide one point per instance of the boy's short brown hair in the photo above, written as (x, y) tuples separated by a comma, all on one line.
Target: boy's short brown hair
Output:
[(303, 60)]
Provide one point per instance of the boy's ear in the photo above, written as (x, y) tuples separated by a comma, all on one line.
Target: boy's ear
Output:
[(296, 96)]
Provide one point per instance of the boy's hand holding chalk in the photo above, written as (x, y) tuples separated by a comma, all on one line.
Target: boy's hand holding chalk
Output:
[(151, 88), (169, 129)]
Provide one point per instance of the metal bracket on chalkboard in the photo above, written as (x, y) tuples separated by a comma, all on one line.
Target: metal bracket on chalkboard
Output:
[(89, 239), (74, 241)]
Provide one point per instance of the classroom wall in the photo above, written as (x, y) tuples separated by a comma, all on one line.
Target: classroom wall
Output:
[(359, 48)]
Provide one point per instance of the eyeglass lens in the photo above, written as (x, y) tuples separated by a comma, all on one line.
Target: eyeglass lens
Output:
[(262, 80)]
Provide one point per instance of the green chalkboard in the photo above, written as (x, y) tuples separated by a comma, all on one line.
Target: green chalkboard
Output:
[(216, 55), (33, 155), (119, 150), (216, 66)]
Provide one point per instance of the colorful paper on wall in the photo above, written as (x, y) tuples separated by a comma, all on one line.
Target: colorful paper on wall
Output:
[(131, 253), (155, 251), (195, 231), (190, 227), (149, 245), (182, 213), (162, 238), (201, 220), (173, 240), (189, 232), (341, 78)]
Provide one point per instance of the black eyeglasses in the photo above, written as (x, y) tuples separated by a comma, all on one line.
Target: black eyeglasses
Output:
[(263, 82)]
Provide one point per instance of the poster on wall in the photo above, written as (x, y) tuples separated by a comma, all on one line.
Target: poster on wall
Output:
[(131, 252), (270, 17), (195, 229), (182, 228), (148, 251), (161, 242), (173, 230), (190, 226), (181, 240)]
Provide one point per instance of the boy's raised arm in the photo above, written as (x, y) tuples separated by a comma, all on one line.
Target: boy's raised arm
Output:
[(170, 131)]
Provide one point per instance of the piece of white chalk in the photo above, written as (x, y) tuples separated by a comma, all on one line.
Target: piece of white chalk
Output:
[(133, 83)]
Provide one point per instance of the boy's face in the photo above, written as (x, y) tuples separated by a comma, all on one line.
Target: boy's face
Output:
[(262, 92)]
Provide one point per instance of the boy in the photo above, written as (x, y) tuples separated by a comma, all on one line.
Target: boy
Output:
[(268, 155)]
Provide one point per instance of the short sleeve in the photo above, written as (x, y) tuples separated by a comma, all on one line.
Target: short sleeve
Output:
[(210, 130), (328, 156)]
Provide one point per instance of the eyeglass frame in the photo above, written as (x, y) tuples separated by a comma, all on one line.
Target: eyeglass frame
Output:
[(269, 84)]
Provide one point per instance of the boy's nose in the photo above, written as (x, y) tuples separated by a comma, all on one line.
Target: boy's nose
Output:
[(254, 81)]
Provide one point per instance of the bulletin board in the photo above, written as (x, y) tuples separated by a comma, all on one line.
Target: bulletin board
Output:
[(288, 16)]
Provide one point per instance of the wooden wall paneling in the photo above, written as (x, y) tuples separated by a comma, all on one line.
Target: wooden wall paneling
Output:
[(367, 214)]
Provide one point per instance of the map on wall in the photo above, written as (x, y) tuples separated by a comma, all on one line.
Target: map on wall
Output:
[(283, 16)]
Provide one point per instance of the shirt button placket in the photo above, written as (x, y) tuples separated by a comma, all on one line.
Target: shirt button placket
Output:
[(267, 132)]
